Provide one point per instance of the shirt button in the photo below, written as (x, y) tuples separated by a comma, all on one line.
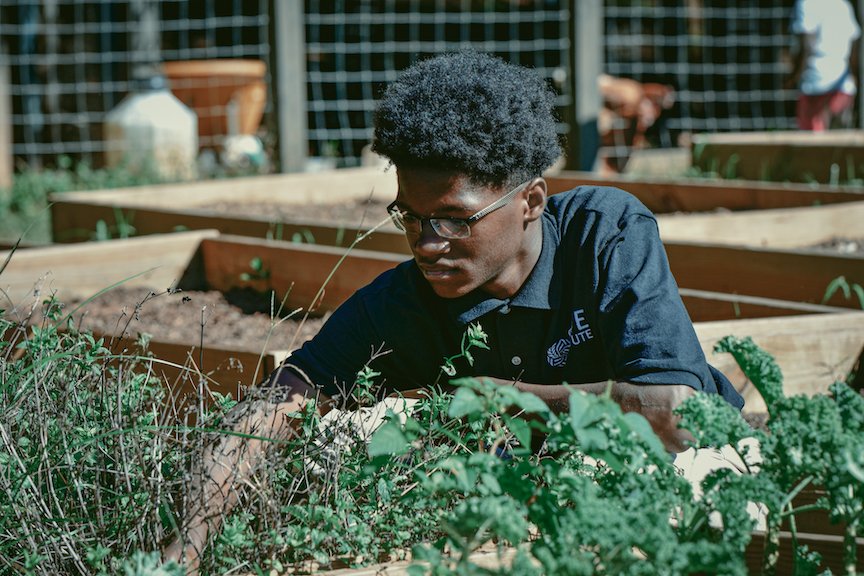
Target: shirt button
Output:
[(505, 310), (516, 360)]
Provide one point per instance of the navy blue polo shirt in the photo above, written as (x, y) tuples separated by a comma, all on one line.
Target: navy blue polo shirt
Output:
[(599, 304)]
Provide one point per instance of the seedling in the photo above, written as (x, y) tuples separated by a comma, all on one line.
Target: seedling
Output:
[(840, 283), (258, 271)]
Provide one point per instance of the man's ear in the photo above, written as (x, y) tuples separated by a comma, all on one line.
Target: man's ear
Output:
[(536, 199)]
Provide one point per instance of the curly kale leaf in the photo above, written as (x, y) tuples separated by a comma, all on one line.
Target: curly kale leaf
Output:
[(714, 422), (851, 406), (758, 366)]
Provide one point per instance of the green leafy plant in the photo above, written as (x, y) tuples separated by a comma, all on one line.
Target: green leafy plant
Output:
[(809, 441), (122, 228), (840, 283), (305, 235), (28, 198), (258, 271), (88, 461), (93, 473), (474, 337)]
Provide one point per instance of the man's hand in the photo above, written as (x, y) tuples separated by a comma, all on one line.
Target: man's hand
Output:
[(187, 556), (230, 459)]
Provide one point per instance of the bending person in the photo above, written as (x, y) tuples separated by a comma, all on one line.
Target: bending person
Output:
[(571, 288)]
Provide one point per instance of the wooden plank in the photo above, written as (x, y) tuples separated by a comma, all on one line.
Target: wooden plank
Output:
[(830, 547), (705, 306), (319, 187), (702, 195), (181, 366), (303, 269), (801, 156), (297, 270), (76, 221), (812, 351), (796, 275), (775, 228), (74, 214), (80, 270)]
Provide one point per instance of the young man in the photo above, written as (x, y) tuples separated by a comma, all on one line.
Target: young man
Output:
[(576, 290), (827, 56)]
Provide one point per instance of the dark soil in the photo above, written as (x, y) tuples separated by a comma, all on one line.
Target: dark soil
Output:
[(239, 320)]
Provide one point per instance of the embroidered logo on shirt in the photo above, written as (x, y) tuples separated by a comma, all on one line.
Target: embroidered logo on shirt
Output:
[(578, 333)]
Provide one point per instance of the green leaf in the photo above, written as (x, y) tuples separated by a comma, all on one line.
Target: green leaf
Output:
[(102, 232), (859, 291), (837, 283), (520, 429), (591, 439), (448, 367), (388, 439), (579, 404), (759, 366), (476, 335), (464, 402), (854, 468), (640, 426), (491, 482), (384, 490), (469, 357), (531, 403)]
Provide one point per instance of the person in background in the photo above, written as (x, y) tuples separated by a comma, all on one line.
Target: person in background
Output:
[(573, 288), (827, 56)]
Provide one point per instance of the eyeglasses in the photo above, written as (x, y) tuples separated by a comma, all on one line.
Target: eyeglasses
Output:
[(452, 228)]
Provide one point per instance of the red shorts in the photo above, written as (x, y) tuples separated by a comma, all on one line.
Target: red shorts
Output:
[(815, 112)]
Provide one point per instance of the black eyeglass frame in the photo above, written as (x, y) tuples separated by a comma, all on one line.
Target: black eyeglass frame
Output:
[(398, 215)]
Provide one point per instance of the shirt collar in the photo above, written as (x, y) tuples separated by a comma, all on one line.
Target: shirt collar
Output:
[(538, 292)]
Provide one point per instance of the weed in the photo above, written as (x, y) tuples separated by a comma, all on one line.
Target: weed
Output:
[(474, 337), (94, 462), (258, 271), (847, 289), (94, 470), (305, 235), (122, 228), (28, 197)]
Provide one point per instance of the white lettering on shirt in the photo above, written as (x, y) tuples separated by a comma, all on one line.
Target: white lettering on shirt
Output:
[(578, 333)]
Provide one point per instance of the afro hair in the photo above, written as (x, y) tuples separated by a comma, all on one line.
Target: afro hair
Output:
[(471, 114)]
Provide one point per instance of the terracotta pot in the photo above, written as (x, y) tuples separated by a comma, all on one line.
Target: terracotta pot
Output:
[(208, 86)]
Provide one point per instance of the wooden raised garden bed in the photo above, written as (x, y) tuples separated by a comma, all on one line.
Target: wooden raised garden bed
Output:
[(205, 260), (812, 349), (76, 216), (803, 227), (799, 156), (190, 262), (666, 195)]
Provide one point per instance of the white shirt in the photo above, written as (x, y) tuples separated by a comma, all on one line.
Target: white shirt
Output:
[(833, 27)]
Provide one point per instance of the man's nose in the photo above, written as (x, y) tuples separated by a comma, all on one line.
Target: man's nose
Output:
[(429, 243)]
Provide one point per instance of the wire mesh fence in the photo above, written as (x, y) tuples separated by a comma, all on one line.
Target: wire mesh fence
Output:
[(71, 61), (697, 65), (694, 65), (721, 66), (354, 49)]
